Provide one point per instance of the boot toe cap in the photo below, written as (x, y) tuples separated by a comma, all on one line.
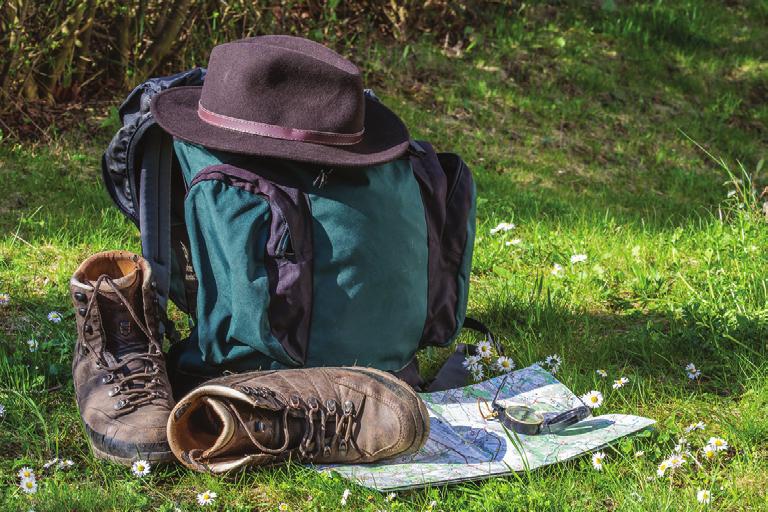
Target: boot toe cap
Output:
[(128, 439)]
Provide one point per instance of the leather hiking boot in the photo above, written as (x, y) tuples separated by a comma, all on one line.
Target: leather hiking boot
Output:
[(320, 415), (119, 373)]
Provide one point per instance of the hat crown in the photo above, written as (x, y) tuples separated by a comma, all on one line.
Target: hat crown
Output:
[(287, 82)]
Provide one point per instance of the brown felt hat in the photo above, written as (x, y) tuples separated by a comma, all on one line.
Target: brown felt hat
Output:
[(284, 97)]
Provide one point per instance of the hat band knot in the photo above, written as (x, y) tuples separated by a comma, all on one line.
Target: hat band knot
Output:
[(277, 132)]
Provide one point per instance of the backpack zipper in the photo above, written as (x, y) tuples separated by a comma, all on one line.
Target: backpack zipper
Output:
[(284, 245), (322, 178)]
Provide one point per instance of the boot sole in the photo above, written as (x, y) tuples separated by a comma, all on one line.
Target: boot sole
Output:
[(153, 457), (424, 416)]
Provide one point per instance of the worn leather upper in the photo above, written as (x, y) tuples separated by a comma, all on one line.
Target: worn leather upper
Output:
[(324, 415)]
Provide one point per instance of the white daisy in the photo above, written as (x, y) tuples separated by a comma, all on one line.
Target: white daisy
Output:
[(50, 463), (432, 505), (503, 226), (54, 316), (345, 496), (32, 344), (556, 269), (504, 364), (206, 498), (390, 497), (484, 349), (5, 299), (704, 496), (639, 453), (718, 443), (593, 399), (692, 372), (2, 410), (602, 373), (709, 452), (471, 362), (620, 383), (66, 464), (282, 507), (578, 258), (663, 467), (597, 460), (554, 360), (514, 241), (478, 374), (682, 445), (699, 425), (26, 472), (676, 460), (141, 468), (28, 485)]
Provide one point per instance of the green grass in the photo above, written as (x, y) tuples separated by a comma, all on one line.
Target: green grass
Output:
[(579, 124)]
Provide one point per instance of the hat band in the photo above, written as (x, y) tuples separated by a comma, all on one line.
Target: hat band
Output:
[(277, 132)]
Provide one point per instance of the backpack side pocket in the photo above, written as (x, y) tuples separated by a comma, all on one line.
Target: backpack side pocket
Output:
[(284, 253), (448, 193)]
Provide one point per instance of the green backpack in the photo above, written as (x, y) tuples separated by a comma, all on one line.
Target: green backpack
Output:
[(283, 264)]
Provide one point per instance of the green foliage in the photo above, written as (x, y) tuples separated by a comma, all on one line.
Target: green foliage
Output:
[(612, 129), (66, 49)]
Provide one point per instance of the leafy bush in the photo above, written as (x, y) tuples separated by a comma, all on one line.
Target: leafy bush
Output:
[(63, 49)]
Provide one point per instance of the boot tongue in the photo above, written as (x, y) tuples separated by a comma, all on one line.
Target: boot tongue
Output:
[(123, 336), (126, 283), (265, 426)]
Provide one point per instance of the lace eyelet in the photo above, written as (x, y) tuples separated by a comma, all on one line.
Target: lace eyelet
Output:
[(331, 406), (348, 407), (108, 378), (313, 404), (295, 401), (114, 391), (120, 404)]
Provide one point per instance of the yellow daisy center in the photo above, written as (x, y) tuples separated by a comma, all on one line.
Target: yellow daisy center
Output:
[(29, 484), (594, 399)]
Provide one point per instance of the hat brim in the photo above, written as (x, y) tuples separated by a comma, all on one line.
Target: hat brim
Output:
[(385, 137)]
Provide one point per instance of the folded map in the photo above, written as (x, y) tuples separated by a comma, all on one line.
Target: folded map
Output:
[(463, 445)]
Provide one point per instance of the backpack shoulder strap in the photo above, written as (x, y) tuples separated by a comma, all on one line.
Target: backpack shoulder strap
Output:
[(154, 208), (137, 172)]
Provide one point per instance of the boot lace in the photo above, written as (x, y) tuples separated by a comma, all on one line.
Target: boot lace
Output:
[(137, 388), (326, 430)]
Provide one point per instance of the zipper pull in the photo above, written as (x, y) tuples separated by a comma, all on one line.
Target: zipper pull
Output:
[(322, 178)]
